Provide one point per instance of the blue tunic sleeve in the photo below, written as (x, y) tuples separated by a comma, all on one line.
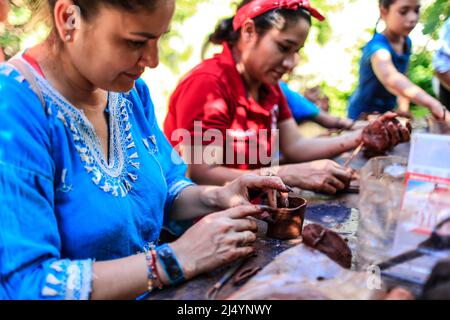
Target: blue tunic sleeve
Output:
[(31, 266), (302, 109), (372, 47), (172, 165)]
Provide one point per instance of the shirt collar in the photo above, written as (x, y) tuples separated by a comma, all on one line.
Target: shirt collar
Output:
[(235, 77), (236, 82)]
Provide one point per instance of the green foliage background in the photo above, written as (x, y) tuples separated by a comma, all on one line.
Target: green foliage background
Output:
[(15, 34), (421, 68), (12, 34)]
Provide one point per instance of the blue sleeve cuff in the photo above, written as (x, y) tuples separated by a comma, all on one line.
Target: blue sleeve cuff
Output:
[(174, 191), (69, 280)]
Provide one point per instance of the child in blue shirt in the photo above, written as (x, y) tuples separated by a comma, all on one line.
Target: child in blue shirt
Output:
[(383, 82)]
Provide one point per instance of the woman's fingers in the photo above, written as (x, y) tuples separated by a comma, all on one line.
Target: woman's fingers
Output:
[(328, 189), (336, 183), (284, 199), (399, 294), (342, 174), (404, 131), (388, 116), (242, 212), (242, 239), (272, 198), (243, 252), (253, 181), (393, 133), (245, 225)]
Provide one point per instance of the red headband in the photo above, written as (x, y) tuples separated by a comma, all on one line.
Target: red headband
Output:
[(259, 7)]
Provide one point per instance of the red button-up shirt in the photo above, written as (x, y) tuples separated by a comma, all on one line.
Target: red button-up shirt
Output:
[(214, 93)]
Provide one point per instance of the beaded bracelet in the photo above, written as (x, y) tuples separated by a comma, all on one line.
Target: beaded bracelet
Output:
[(152, 271), (155, 269)]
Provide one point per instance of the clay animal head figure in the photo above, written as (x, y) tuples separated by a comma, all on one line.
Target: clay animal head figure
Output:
[(288, 222)]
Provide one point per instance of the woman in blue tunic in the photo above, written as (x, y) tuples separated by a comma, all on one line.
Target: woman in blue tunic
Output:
[(383, 83), (87, 179)]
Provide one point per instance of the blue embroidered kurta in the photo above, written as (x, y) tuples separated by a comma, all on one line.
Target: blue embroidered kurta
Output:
[(62, 204)]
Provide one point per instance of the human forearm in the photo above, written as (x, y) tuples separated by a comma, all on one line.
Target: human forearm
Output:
[(403, 105), (321, 176), (331, 122), (214, 241), (401, 86), (204, 174), (123, 278), (323, 148), (195, 202), (198, 201)]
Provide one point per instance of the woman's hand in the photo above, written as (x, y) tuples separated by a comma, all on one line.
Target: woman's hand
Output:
[(438, 110), (216, 240), (405, 114), (359, 124), (446, 118), (385, 133), (238, 192), (324, 176)]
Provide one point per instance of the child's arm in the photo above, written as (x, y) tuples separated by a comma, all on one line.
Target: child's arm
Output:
[(403, 106), (399, 85), (331, 122)]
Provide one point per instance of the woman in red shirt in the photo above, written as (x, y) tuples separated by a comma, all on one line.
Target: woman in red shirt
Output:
[(229, 112)]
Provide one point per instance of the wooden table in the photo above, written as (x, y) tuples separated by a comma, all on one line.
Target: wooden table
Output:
[(338, 213)]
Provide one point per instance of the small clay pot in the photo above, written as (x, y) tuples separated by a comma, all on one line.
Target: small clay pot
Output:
[(288, 222)]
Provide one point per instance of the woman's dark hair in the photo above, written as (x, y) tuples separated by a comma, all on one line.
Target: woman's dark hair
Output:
[(386, 3), (89, 8), (224, 31), (43, 11)]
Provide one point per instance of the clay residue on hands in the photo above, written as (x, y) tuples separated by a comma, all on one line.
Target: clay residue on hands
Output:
[(385, 133)]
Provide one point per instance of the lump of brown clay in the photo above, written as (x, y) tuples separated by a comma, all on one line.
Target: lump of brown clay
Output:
[(385, 133), (329, 243), (288, 222)]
